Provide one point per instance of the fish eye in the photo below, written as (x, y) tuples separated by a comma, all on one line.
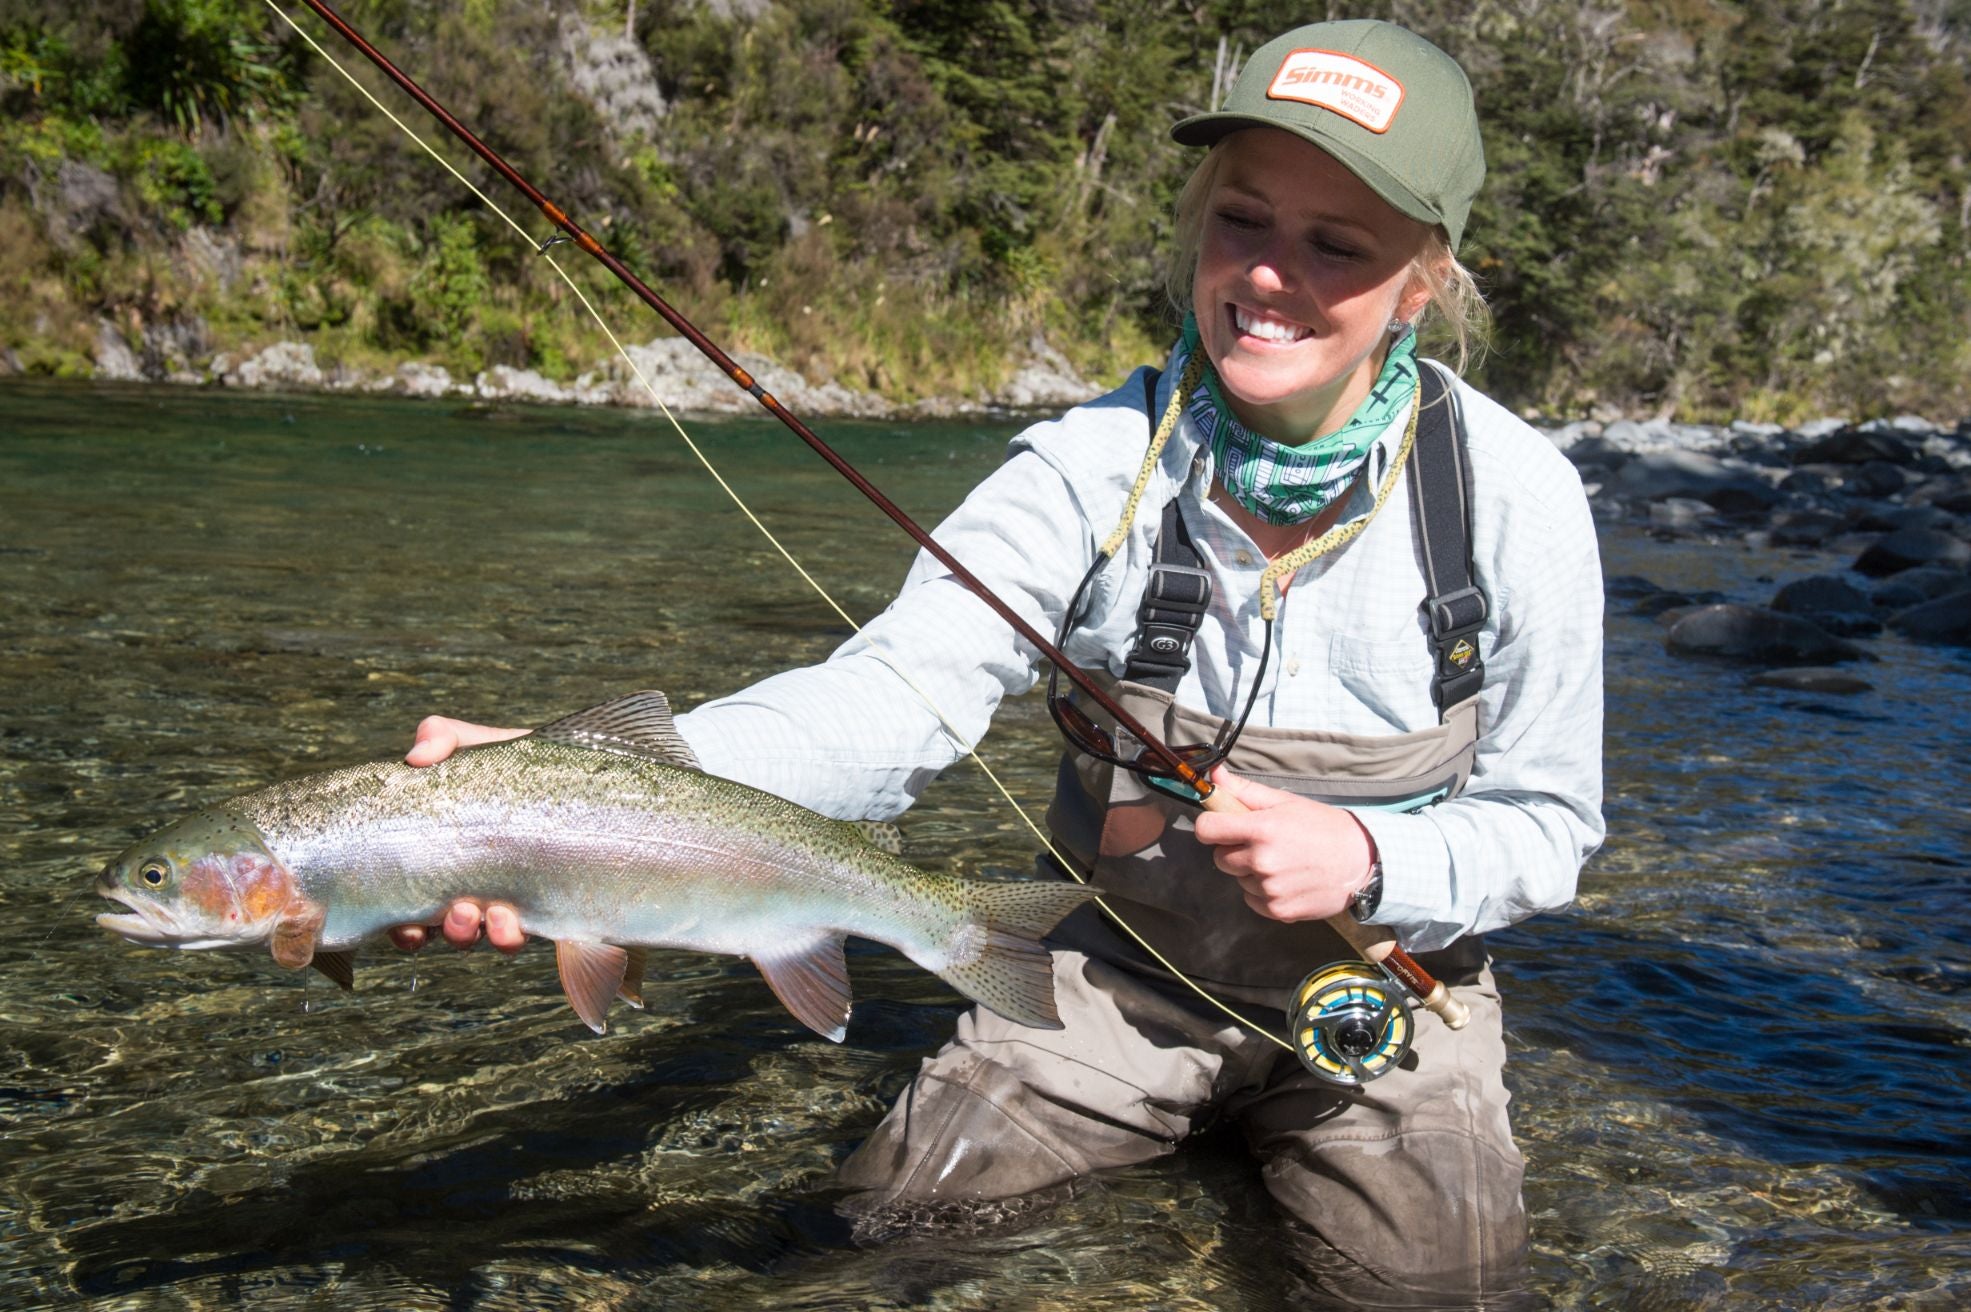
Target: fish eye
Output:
[(153, 873)]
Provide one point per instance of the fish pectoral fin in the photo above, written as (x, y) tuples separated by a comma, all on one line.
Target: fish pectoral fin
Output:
[(637, 725), (338, 966), (631, 989), (296, 933), (812, 981), (590, 975)]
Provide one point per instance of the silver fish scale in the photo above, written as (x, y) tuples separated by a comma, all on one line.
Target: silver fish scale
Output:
[(595, 846)]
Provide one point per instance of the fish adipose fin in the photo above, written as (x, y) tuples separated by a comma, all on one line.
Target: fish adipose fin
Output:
[(881, 835), (812, 981), (338, 966), (637, 725), (1008, 969), (590, 975)]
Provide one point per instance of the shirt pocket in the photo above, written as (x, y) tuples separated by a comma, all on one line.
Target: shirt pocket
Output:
[(1384, 686)]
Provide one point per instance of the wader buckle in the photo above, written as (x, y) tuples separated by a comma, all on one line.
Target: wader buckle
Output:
[(1455, 619), (1173, 607)]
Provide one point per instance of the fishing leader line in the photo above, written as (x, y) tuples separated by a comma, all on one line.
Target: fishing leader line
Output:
[(544, 248)]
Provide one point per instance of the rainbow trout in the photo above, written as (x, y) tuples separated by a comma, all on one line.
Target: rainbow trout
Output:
[(605, 835)]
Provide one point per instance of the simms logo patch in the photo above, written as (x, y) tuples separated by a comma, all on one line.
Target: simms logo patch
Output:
[(1342, 83)]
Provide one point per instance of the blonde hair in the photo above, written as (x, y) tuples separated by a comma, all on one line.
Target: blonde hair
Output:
[(1462, 318)]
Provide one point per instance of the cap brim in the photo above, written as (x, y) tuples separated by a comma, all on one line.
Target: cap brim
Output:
[(1210, 129)]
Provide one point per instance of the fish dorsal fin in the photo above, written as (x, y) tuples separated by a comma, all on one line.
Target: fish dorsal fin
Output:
[(637, 725), (631, 989), (812, 981), (590, 975), (338, 966)]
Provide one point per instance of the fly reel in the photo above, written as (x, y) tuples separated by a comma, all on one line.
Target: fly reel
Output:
[(1349, 1023)]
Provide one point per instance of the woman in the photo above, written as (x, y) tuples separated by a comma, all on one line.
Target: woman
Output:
[(1320, 226)]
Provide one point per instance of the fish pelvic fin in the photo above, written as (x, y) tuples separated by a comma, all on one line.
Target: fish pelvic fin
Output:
[(999, 961), (591, 973), (296, 931), (337, 966), (812, 981)]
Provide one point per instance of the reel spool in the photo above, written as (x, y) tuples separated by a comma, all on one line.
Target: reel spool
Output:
[(1349, 1023)]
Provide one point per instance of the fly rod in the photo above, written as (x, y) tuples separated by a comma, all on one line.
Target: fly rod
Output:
[(1374, 944)]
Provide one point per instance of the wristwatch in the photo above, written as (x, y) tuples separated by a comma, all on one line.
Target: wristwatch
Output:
[(1369, 896)]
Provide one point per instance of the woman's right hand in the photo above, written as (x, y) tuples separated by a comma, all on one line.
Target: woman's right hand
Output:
[(437, 738)]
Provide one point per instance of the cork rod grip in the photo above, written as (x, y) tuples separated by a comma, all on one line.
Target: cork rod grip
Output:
[(1375, 943)]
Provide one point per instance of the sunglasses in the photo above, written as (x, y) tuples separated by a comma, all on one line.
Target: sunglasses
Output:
[(1122, 749)]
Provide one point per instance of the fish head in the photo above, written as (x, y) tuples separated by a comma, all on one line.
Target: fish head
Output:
[(207, 881)]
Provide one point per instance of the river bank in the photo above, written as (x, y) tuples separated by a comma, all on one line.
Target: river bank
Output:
[(672, 368)]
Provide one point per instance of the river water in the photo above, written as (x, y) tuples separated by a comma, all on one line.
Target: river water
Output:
[(1741, 1062)]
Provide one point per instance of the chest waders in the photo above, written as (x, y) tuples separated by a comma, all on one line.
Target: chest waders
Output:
[(1347, 1022)]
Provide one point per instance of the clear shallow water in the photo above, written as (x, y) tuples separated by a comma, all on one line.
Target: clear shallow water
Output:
[(1742, 1062)]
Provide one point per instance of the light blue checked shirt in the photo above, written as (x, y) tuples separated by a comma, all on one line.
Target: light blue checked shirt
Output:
[(850, 737)]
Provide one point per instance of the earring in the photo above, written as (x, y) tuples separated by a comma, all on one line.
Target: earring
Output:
[(1397, 327)]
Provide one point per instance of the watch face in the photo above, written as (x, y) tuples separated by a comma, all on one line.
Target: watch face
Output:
[(1369, 896)]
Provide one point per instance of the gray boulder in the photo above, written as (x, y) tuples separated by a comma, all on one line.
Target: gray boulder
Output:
[(1877, 478), (1913, 587), (1855, 446), (1833, 603), (1692, 475), (1946, 620), (1907, 548)]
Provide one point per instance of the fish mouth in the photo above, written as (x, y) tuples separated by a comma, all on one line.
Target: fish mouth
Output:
[(146, 923)]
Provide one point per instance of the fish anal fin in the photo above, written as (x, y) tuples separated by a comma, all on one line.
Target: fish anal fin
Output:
[(1003, 962), (812, 981), (631, 989), (296, 932), (338, 966), (637, 725), (590, 975)]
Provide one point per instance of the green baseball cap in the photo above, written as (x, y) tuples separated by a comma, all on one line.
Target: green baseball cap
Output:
[(1392, 107)]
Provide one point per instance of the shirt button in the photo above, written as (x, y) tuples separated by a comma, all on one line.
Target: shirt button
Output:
[(1243, 556), (1293, 666)]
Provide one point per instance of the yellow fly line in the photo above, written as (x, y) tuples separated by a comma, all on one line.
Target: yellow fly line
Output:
[(1164, 430)]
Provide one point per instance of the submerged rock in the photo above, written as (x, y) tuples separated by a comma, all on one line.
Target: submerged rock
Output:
[(1752, 633), (1812, 678)]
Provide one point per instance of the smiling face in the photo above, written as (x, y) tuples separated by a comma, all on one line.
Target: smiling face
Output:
[(1300, 270)]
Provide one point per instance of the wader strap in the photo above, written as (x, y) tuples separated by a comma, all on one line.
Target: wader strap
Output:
[(1176, 598), (1440, 485), (1174, 605)]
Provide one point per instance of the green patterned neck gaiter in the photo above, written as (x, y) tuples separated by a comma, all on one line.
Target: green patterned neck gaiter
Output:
[(1291, 484)]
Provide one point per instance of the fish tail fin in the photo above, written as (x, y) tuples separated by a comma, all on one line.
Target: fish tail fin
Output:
[(1009, 970)]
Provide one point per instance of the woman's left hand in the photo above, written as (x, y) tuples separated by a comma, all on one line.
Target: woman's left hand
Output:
[(1295, 859)]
